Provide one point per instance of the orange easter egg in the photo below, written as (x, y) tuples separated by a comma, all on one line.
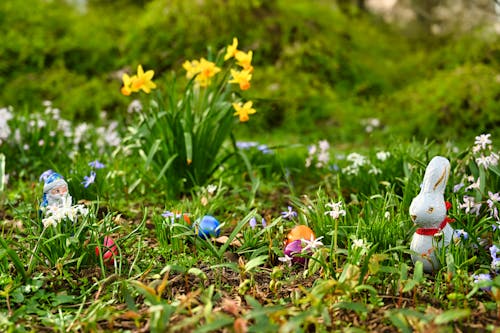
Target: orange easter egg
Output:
[(299, 232)]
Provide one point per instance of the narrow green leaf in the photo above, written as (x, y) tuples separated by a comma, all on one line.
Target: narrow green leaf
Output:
[(188, 142), (452, 315), (197, 272), (409, 286), (236, 230), (255, 262), (354, 306), (152, 152), (400, 322), (418, 274), (166, 167)]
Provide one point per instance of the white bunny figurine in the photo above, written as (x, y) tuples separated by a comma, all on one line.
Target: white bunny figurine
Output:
[(428, 212)]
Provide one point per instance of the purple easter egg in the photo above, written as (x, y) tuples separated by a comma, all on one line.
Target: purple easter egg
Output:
[(208, 226), (293, 250)]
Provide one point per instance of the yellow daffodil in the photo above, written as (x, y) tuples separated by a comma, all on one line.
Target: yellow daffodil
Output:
[(244, 60), (242, 78), (143, 81), (207, 70), (192, 68), (231, 49), (243, 110), (127, 83)]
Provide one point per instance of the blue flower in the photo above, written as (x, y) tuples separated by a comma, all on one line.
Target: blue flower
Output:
[(264, 149), (495, 260), (460, 233), (457, 187), (169, 216), (96, 164), (87, 180), (290, 214), (253, 223), (481, 279), (246, 144)]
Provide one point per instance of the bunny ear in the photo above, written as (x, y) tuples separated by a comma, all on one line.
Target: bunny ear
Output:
[(436, 175)]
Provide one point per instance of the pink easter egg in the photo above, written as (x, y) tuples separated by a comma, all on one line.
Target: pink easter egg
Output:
[(109, 248)]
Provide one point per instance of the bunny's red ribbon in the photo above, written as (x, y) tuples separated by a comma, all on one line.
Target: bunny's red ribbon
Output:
[(433, 231)]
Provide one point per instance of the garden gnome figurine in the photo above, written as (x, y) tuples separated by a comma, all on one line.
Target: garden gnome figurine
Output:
[(55, 190), (428, 212)]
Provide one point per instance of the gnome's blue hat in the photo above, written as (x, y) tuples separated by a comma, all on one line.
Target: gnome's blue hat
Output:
[(52, 180)]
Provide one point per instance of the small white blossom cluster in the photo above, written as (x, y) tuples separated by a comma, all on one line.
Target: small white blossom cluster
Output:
[(5, 116), (357, 161), (57, 213), (48, 125), (108, 136), (319, 154), (370, 124), (483, 150), (336, 210), (359, 248), (360, 244), (470, 205), (484, 157)]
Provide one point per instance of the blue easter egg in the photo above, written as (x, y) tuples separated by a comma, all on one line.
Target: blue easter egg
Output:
[(208, 226)]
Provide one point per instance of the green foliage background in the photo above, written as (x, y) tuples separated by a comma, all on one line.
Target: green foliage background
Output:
[(319, 70)]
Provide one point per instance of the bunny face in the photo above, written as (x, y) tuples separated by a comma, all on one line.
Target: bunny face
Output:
[(428, 210)]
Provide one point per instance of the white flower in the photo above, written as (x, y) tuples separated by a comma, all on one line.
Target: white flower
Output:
[(49, 221), (55, 214), (65, 126), (483, 161), (312, 150), (357, 159), (312, 244), (134, 106), (41, 123), (374, 170), (211, 189), (79, 133), (308, 161), (108, 136), (475, 184), (383, 155), (323, 158), (336, 211), (493, 199), (483, 140), (470, 205), (286, 259), (5, 115), (359, 243), (323, 145), (351, 170), (492, 159)]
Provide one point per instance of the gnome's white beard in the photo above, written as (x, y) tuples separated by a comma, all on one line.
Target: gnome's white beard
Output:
[(60, 200)]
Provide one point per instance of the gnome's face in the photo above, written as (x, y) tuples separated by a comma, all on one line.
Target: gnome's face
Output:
[(57, 195)]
